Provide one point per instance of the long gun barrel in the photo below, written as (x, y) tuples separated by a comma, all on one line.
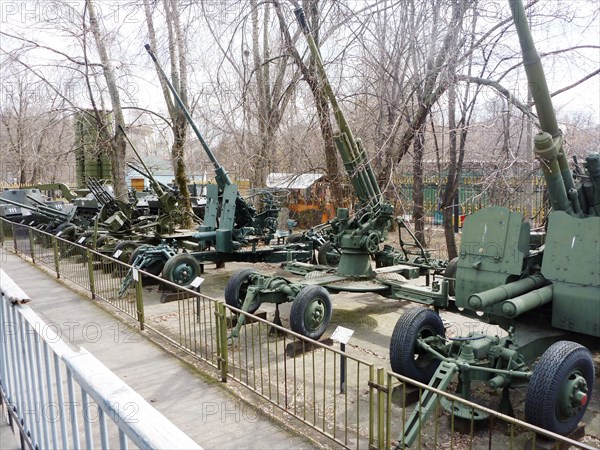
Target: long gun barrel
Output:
[(163, 186), (155, 185), (45, 211), (220, 173), (549, 147), (353, 154)]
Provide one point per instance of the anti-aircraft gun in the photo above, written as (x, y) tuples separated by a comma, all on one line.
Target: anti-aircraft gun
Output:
[(231, 231), (39, 213), (170, 211), (227, 191), (357, 238), (122, 221), (543, 289)]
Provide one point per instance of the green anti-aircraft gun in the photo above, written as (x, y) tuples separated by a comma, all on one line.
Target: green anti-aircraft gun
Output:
[(232, 229), (543, 289), (358, 239)]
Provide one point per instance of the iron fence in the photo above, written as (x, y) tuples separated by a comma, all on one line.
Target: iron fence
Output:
[(58, 397), (351, 401), (525, 193)]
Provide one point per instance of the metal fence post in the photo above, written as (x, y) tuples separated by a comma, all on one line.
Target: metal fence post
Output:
[(388, 412), (54, 241), (90, 264), (139, 297), (222, 354), (371, 405), (14, 230), (380, 408), (31, 246), (1, 231)]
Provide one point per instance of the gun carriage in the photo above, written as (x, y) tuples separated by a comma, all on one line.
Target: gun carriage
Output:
[(351, 243)]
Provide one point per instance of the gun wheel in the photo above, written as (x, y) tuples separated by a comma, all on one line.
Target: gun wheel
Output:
[(127, 248), (181, 269), (155, 268), (450, 272), (328, 255), (237, 288), (311, 312), (560, 387), (406, 356), (67, 231)]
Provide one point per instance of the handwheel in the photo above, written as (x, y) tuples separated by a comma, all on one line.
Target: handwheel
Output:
[(450, 272), (328, 255)]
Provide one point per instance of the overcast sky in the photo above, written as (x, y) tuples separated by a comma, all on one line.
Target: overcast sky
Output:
[(36, 20)]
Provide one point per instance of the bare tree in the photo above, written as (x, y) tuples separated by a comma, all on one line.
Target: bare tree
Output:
[(179, 78), (117, 141), (35, 130), (274, 88), (310, 75)]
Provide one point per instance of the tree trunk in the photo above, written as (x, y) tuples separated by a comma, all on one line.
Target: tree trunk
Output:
[(179, 125), (118, 145), (321, 102), (417, 188), (452, 181)]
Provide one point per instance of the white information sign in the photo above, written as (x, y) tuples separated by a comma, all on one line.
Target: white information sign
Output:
[(117, 253), (81, 239), (197, 282), (135, 274), (342, 334)]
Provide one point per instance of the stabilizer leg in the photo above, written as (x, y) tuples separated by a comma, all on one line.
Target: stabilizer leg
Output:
[(440, 380)]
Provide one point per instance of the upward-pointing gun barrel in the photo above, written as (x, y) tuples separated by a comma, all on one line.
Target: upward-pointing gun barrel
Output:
[(220, 174), (549, 149), (351, 150)]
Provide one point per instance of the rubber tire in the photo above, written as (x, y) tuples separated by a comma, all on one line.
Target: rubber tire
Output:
[(327, 256), (154, 269), (101, 241), (175, 263), (68, 231), (553, 368), (414, 323), (305, 298), (127, 249), (236, 288), (135, 253), (450, 272)]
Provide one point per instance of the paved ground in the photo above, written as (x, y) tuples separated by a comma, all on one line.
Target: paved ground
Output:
[(201, 407), (8, 441)]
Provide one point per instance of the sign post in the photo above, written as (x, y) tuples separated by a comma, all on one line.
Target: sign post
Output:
[(342, 335)]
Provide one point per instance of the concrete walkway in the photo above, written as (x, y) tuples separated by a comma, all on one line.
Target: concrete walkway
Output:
[(197, 404)]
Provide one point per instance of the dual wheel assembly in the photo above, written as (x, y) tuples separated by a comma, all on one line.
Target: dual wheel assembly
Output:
[(559, 389), (311, 309)]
